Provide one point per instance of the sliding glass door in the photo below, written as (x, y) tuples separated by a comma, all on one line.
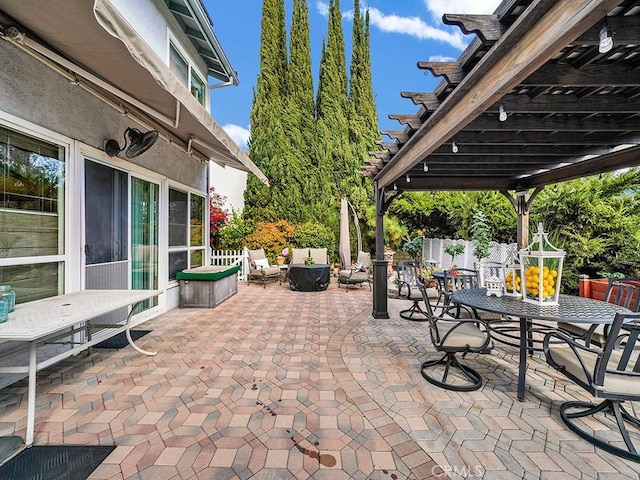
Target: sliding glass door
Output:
[(144, 236)]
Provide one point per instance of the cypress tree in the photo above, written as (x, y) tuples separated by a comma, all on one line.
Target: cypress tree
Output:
[(269, 144), (300, 112), (363, 118), (331, 104)]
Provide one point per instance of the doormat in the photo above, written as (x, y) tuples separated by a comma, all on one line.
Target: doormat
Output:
[(61, 462), (120, 340)]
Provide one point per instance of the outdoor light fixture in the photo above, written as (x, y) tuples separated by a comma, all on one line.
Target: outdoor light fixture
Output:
[(454, 147), (395, 187), (138, 143), (425, 167), (408, 178), (606, 38), (502, 115)]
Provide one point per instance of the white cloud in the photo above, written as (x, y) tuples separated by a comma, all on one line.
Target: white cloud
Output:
[(238, 134), (412, 26), (441, 58), (477, 7), (323, 8), (415, 27)]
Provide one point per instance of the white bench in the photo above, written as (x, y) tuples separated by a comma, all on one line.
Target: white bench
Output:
[(50, 319)]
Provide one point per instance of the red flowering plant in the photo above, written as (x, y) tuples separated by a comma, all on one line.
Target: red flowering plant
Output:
[(218, 216)]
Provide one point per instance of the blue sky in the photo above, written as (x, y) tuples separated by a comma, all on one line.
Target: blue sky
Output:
[(403, 32)]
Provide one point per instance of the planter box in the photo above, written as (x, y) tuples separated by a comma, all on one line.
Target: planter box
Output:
[(596, 288), (207, 287)]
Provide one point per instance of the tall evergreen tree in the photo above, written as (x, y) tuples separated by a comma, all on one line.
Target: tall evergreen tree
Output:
[(300, 111), (269, 144), (363, 118), (331, 104)]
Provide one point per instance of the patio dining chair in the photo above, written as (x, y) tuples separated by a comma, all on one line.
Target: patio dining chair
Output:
[(407, 282), (452, 281), (260, 270), (619, 292), (450, 336), (611, 373)]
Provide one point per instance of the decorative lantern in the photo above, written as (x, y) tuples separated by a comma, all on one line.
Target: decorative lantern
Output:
[(494, 286), (511, 272), (541, 265)]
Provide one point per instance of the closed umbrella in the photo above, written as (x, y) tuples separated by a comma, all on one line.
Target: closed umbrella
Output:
[(345, 244)]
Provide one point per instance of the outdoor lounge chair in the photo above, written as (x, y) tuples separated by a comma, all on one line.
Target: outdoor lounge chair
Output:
[(298, 255), (358, 273), (610, 372), (451, 335), (319, 256), (260, 270)]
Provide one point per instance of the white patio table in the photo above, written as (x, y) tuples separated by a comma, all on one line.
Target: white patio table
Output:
[(46, 320)]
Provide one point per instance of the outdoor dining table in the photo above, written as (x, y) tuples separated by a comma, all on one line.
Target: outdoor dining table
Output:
[(50, 319), (569, 309)]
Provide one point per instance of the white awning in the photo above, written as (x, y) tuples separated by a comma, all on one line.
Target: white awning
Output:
[(99, 41)]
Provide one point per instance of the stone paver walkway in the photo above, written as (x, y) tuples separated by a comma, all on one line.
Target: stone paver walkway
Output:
[(275, 384)]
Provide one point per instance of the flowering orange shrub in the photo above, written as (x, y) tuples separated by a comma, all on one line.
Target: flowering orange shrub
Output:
[(272, 236)]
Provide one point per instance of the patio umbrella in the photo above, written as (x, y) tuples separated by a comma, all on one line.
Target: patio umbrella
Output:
[(345, 243), (345, 237)]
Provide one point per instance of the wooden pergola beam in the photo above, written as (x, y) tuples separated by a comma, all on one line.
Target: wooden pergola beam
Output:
[(452, 71), (487, 27), (510, 61), (542, 138), (552, 124), (413, 121), (428, 100), (620, 159)]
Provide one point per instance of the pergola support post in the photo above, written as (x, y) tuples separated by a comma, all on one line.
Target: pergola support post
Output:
[(521, 201), (380, 302)]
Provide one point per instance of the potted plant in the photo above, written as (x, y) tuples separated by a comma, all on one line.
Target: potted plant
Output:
[(280, 259), (454, 251)]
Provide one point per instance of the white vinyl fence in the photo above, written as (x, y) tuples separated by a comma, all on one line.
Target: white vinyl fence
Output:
[(232, 257), (433, 251)]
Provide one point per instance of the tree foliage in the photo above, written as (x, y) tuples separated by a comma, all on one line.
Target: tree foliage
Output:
[(595, 220)]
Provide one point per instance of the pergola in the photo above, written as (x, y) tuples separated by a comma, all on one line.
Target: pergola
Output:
[(571, 109)]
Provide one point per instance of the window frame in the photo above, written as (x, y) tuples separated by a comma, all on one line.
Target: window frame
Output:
[(189, 248), (192, 72), (62, 259)]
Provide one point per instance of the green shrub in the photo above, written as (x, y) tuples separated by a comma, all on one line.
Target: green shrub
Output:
[(232, 236), (315, 235)]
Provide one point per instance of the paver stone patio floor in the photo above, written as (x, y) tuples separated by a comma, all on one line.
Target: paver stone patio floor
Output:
[(276, 384)]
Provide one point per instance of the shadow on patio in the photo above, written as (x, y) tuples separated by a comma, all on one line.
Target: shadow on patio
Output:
[(279, 384)]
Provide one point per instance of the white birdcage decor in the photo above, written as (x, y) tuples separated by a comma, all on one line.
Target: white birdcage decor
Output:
[(511, 272), (541, 265)]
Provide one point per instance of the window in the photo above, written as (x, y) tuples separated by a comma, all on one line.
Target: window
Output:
[(197, 88), (186, 231), (178, 65), (32, 182), (187, 74)]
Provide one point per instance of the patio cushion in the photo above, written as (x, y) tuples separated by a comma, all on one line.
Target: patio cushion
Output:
[(207, 272), (614, 383), (319, 255), (465, 334), (298, 255), (262, 263)]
